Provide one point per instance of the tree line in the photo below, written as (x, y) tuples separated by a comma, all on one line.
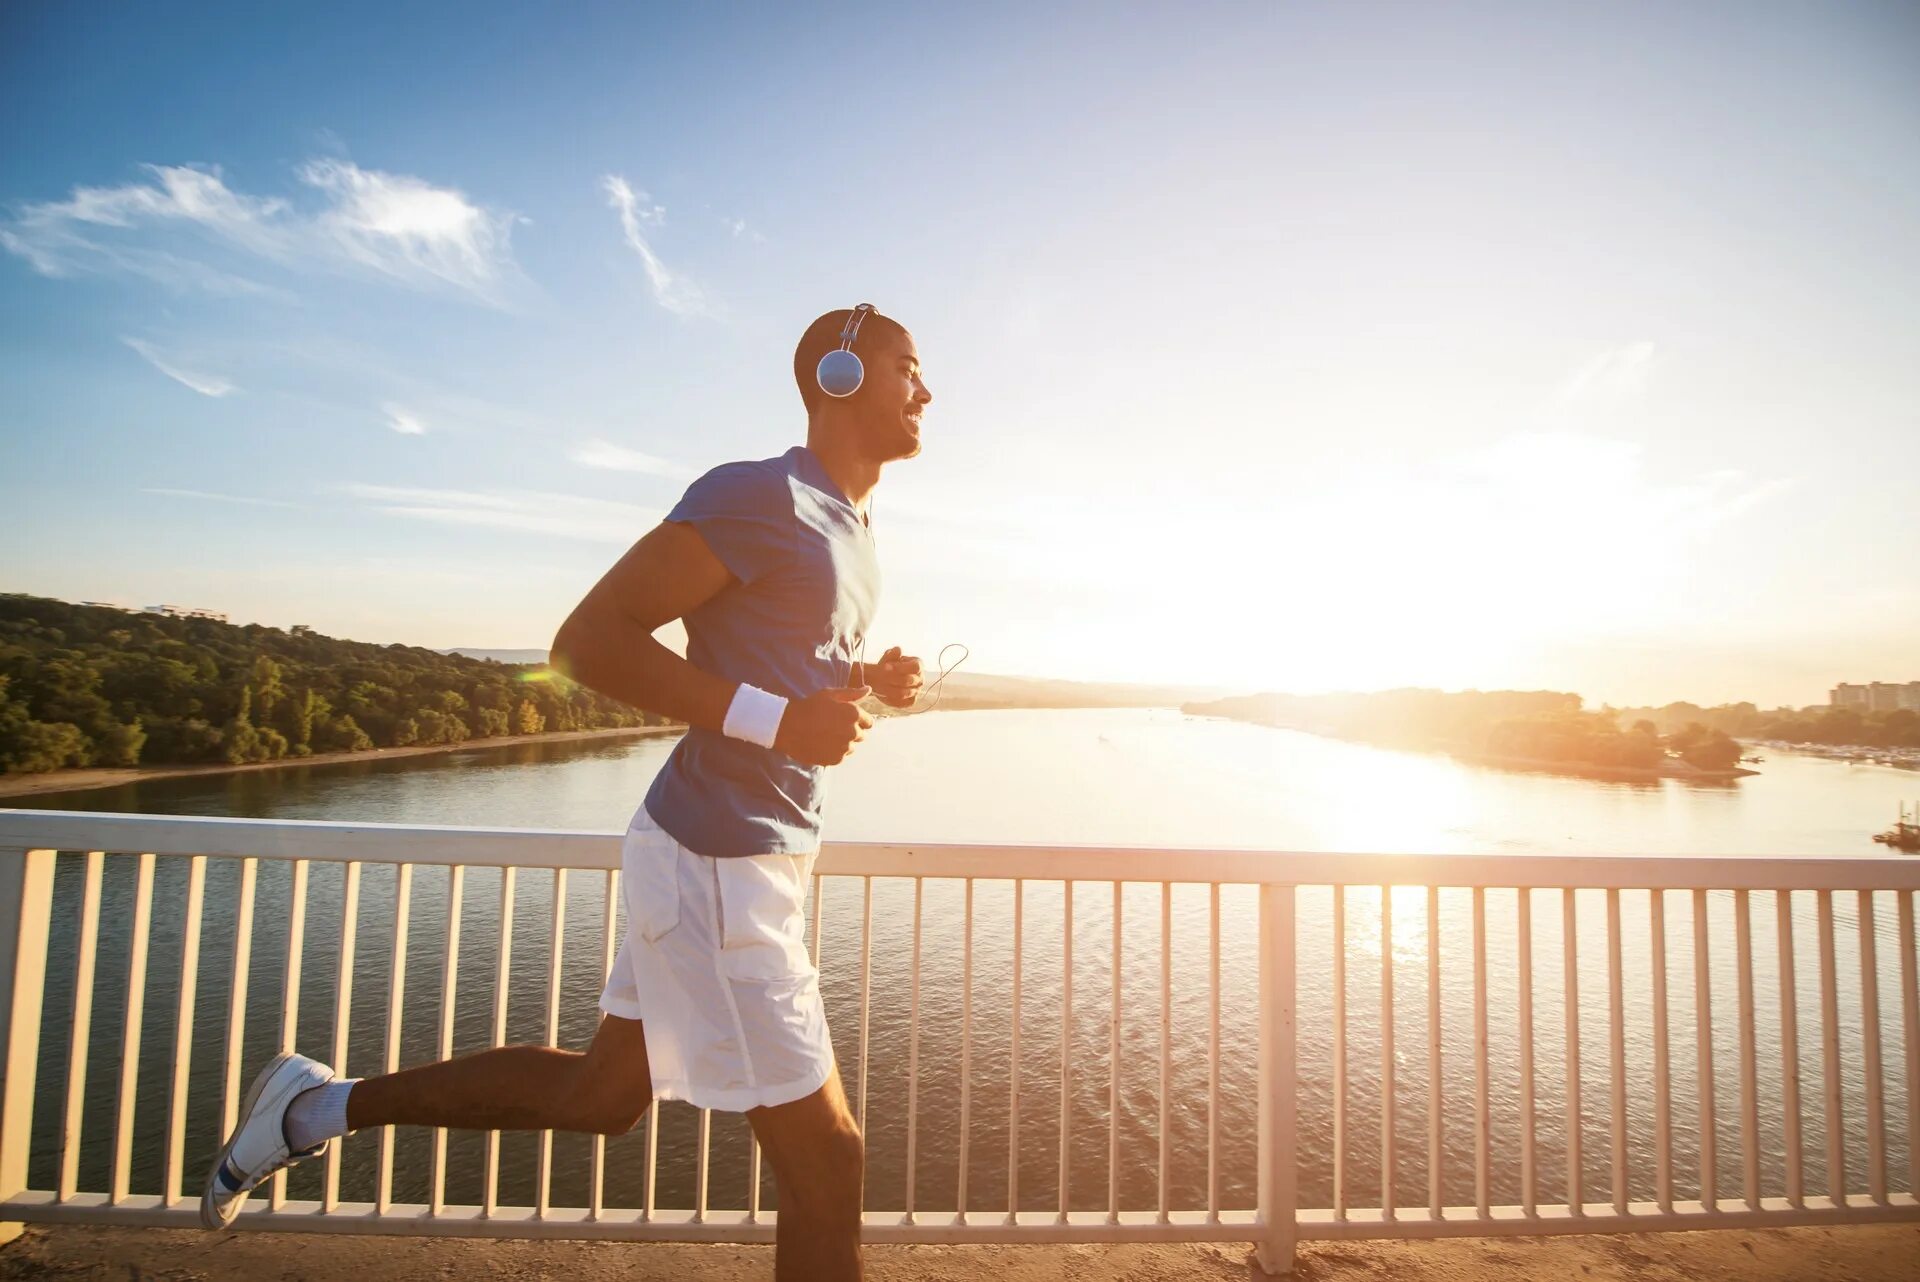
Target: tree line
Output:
[(1541, 725), (96, 686), (1848, 727)]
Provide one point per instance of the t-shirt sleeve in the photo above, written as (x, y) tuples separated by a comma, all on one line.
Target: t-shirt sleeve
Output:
[(745, 513)]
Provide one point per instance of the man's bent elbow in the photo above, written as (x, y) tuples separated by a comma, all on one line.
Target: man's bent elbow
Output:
[(565, 655)]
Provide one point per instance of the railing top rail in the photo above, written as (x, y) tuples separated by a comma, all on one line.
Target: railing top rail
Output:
[(559, 848)]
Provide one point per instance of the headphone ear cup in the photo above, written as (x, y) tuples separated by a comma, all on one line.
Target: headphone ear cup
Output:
[(840, 373)]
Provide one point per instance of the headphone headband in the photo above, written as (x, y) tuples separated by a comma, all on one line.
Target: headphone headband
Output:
[(851, 330)]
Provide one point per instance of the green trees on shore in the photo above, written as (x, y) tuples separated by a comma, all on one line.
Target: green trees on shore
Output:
[(95, 686)]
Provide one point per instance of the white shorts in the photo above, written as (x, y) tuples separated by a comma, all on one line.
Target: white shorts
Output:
[(715, 965)]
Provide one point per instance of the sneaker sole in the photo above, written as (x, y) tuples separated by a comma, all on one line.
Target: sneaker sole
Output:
[(209, 1208)]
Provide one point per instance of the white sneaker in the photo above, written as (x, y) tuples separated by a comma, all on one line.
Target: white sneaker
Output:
[(258, 1146)]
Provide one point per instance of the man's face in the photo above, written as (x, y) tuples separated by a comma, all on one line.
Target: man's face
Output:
[(891, 398)]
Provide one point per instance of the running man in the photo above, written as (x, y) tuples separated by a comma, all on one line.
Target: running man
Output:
[(713, 999)]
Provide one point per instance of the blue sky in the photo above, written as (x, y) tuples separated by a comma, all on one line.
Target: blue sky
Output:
[(1279, 346)]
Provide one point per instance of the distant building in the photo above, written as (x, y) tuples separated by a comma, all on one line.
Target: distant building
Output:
[(111, 605), (1877, 696), (184, 612)]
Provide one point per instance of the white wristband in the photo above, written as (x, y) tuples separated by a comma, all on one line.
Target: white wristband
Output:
[(754, 715)]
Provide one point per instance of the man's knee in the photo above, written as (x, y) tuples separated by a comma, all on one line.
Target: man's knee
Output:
[(827, 1179)]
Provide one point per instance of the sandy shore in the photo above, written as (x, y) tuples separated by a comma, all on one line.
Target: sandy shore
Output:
[(1864, 1253), (77, 780)]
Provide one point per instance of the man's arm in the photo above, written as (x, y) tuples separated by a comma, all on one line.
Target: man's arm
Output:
[(607, 643)]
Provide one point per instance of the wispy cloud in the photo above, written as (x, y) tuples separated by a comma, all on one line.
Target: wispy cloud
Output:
[(397, 225), (403, 421), (1616, 374), (409, 228), (566, 516), (205, 384), (618, 458), (207, 496), (670, 289), (738, 228)]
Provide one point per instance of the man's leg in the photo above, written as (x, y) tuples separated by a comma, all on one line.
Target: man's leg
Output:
[(819, 1163), (605, 1089)]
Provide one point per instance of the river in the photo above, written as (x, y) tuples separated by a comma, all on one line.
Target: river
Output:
[(1151, 778)]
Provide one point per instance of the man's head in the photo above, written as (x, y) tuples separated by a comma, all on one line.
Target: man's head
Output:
[(882, 418)]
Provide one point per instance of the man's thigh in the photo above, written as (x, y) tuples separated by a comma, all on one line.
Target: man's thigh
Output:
[(813, 1138)]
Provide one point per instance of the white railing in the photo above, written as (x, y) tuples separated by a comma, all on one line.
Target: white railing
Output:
[(78, 1155)]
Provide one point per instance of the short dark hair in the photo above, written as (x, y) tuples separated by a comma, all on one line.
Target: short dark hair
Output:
[(823, 336)]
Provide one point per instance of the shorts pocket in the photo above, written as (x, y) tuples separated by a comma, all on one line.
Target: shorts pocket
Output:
[(651, 864), (759, 901)]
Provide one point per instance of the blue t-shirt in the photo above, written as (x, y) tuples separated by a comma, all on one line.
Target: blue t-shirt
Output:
[(793, 625)]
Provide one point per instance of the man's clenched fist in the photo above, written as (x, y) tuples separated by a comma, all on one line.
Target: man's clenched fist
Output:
[(821, 729)]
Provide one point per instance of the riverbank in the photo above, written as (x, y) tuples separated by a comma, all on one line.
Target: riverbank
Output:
[(86, 779), (1854, 1253)]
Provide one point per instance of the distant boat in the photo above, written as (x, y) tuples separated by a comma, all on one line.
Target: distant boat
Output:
[(1905, 833)]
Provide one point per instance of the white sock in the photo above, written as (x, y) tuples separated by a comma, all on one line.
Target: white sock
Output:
[(318, 1115)]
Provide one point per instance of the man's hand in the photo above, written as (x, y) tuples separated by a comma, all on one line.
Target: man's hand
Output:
[(895, 679), (821, 729)]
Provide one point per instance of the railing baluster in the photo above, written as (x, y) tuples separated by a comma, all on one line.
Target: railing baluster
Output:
[(753, 1179), (130, 1037), (1482, 1120), (87, 948), (1013, 1060), (1387, 1207), (1523, 952), (183, 1025), (966, 1049), (1339, 1044), (1870, 1053), (396, 1002), (1113, 1074), (1066, 1036), (1749, 1070), (866, 995), (913, 1052), (342, 1007), (1703, 1041), (502, 972), (1910, 1022), (1617, 1053), (1789, 1049), (290, 992), (449, 982), (653, 1161), (700, 1168), (597, 1178), (237, 992), (1213, 1053), (556, 950), (1435, 1167), (1277, 1119), (1662, 1054), (1166, 1041), (1570, 966), (1830, 1054)]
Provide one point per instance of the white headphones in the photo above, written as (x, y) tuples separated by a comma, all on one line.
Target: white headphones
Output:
[(840, 372)]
